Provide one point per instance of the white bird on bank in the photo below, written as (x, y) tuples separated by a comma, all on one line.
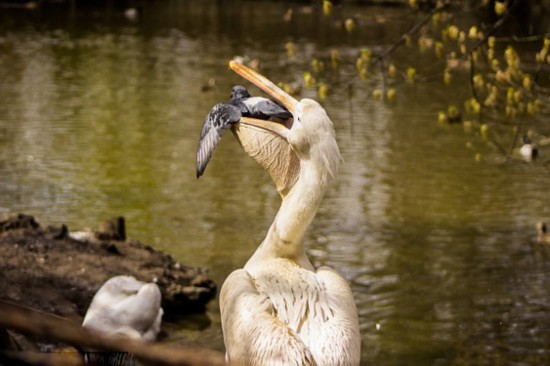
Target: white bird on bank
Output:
[(528, 150), (279, 309), (124, 306)]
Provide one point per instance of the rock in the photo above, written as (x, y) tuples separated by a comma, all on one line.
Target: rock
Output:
[(114, 229), (57, 232), (49, 270), (19, 221)]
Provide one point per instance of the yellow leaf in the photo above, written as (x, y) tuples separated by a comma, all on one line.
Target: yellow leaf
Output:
[(478, 81), (484, 130), (411, 74), (349, 24), (290, 49), (452, 111), (309, 80), (390, 94), (392, 71), (527, 82), (327, 7), (323, 91), (472, 34), (453, 32), (500, 7), (447, 77), (317, 66), (334, 58), (442, 118)]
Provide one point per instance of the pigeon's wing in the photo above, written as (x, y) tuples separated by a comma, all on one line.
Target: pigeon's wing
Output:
[(219, 119), (270, 150), (263, 108)]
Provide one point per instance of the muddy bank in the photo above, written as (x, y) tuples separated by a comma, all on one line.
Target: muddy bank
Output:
[(58, 271)]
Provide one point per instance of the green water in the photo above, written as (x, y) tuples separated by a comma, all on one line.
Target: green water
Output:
[(100, 116)]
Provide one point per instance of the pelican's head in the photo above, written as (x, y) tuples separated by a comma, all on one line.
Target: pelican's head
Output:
[(312, 135)]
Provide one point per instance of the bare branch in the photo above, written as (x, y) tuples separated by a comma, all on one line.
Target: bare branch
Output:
[(47, 326)]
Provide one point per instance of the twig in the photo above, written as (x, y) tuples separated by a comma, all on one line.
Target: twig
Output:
[(47, 326), (413, 30), (516, 39), (494, 27)]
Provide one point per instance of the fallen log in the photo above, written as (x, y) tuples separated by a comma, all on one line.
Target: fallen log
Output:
[(32, 322)]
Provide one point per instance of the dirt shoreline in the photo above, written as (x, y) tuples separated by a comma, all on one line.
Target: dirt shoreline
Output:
[(58, 271)]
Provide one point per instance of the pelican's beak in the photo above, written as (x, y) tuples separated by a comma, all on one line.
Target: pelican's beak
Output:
[(270, 126), (265, 84), (270, 88)]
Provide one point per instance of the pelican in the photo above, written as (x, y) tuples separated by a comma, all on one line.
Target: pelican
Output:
[(223, 115), (126, 307), (279, 309)]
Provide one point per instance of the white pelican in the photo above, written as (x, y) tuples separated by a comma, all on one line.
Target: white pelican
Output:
[(124, 306), (279, 309)]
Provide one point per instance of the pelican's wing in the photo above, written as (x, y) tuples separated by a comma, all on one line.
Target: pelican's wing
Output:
[(341, 333), (219, 119), (252, 333), (270, 150)]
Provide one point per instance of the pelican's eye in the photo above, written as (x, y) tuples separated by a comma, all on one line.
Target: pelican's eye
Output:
[(298, 138)]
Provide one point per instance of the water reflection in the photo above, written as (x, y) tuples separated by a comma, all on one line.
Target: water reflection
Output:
[(102, 119)]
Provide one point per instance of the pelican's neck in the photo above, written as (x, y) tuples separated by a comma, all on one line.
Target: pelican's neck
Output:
[(285, 236)]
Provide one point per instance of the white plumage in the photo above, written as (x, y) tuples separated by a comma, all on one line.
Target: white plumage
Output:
[(126, 307), (279, 310), (528, 150)]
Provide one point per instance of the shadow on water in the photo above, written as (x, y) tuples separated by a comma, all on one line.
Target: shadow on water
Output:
[(100, 116)]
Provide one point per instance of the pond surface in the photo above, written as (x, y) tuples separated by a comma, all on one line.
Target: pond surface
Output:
[(100, 116)]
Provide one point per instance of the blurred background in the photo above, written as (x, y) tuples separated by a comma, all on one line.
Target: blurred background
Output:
[(432, 217)]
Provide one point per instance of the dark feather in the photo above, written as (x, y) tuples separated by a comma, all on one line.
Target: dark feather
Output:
[(218, 120), (263, 108), (257, 107), (223, 115)]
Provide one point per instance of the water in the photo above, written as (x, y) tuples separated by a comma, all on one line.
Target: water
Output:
[(100, 116)]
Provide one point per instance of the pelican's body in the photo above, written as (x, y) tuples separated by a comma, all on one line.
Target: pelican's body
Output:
[(278, 309), (126, 307)]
